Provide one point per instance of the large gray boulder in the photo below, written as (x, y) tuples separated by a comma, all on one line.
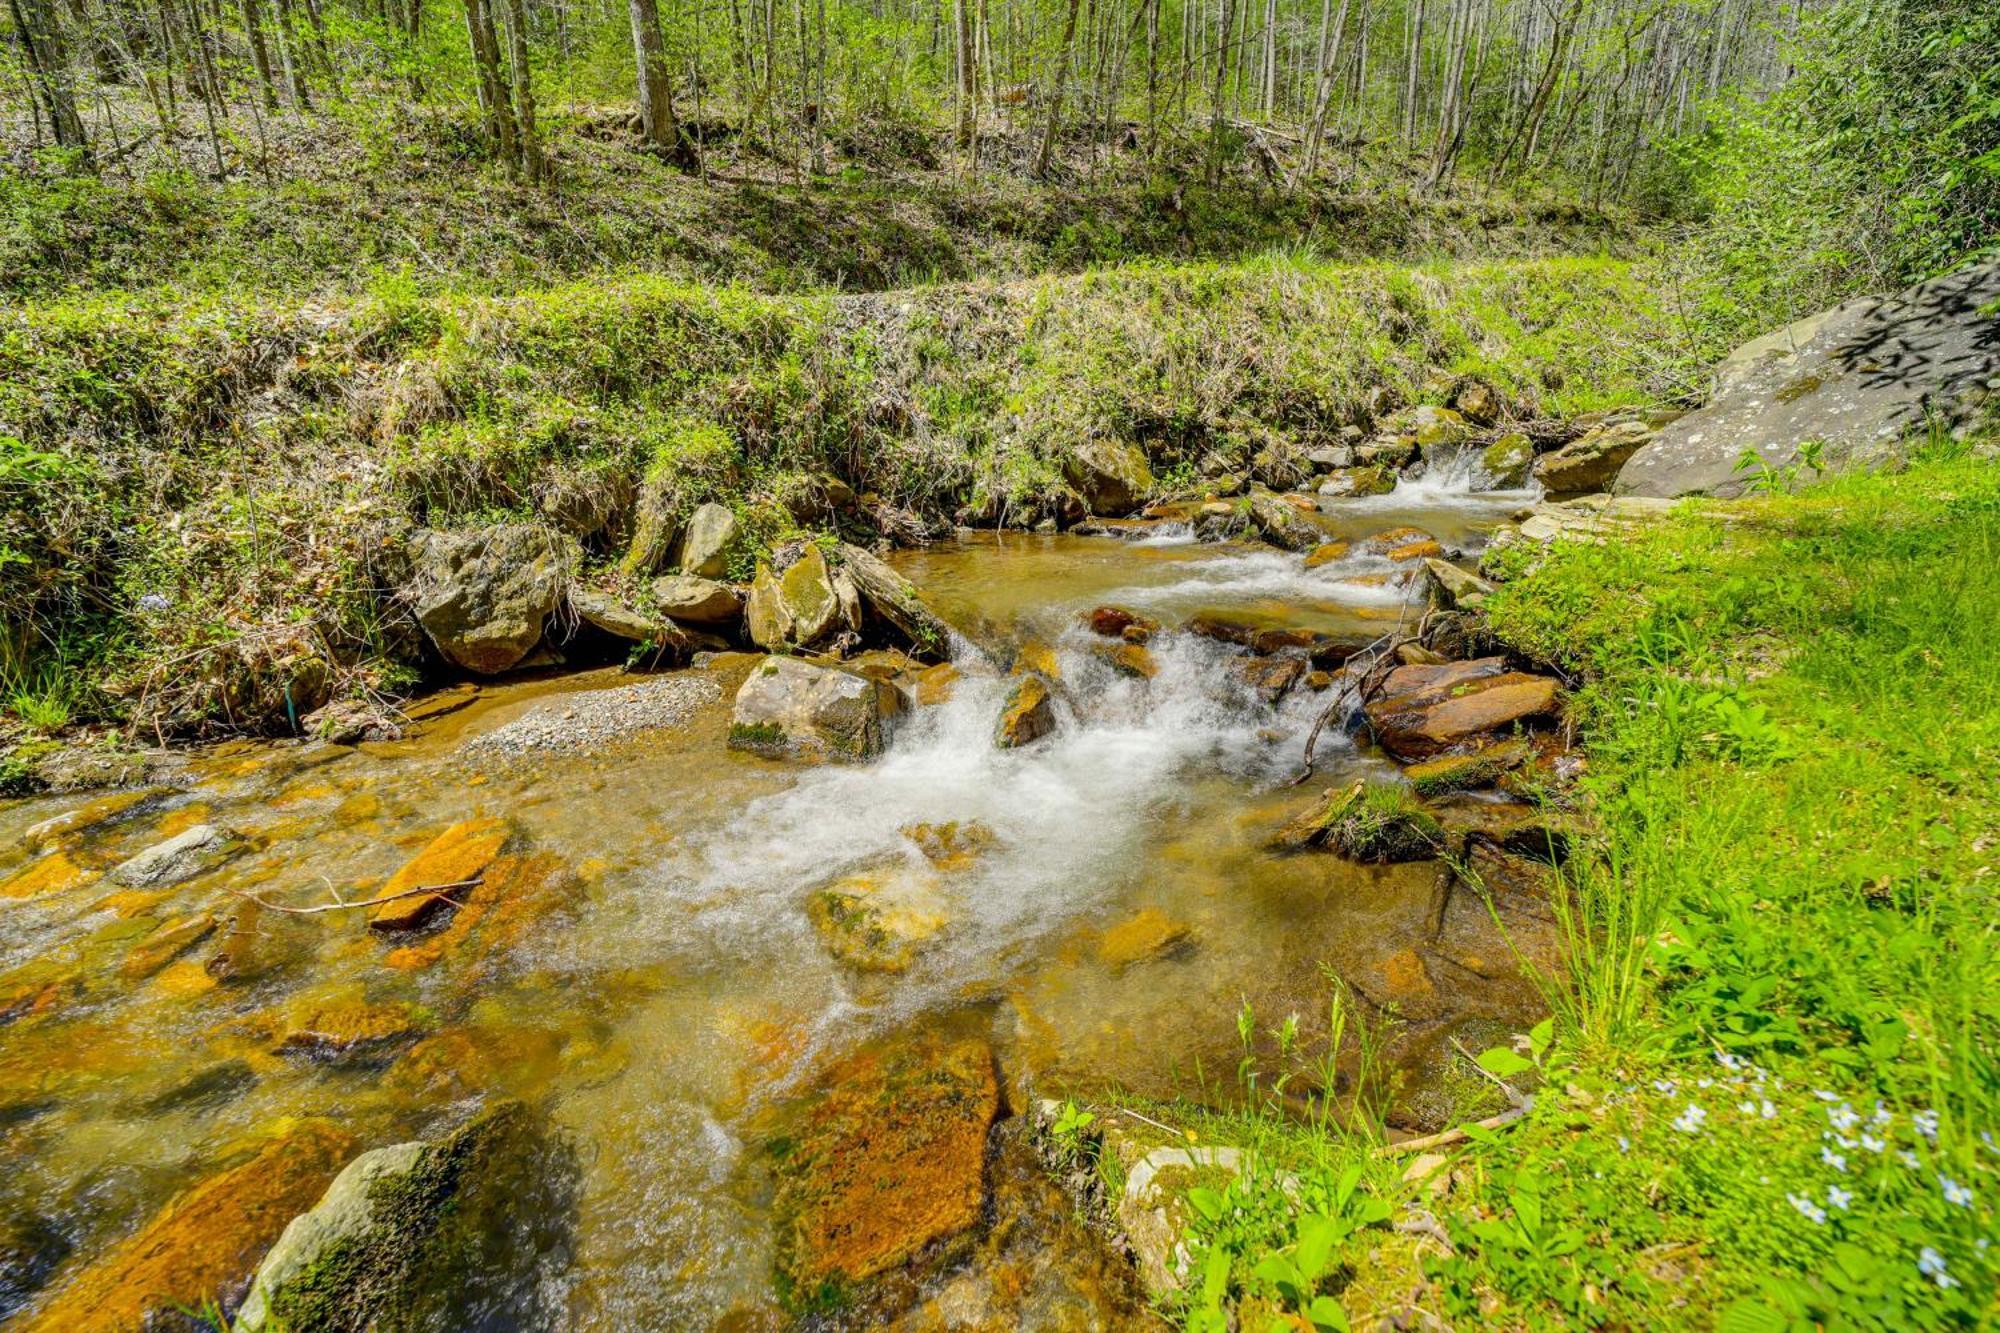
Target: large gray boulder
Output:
[(1859, 379), (697, 601), (1111, 476), (483, 595), (191, 852), (793, 709), (897, 601)]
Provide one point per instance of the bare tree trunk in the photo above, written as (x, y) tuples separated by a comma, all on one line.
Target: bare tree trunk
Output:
[(656, 91), (38, 27), (1331, 30), (494, 95), (260, 52), (1059, 86), (533, 164), (1216, 120)]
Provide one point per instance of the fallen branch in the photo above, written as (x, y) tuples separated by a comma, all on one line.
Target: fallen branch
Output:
[(440, 890), (1451, 1136), (1514, 1098)]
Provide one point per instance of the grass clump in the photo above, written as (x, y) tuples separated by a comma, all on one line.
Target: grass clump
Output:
[(1771, 1096)]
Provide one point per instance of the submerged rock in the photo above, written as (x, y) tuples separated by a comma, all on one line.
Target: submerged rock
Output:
[(705, 546), (1028, 714), (950, 846), (102, 810), (1131, 660), (793, 709), (878, 921), (1284, 525), (1147, 934), (888, 1162), (204, 1243), (192, 852), (1327, 553), (53, 873), (1400, 544), (462, 1233), (484, 595), (345, 1025), (166, 944)]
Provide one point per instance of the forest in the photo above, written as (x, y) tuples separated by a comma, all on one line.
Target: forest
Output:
[(990, 664)]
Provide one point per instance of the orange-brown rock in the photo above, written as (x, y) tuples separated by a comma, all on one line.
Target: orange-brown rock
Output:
[(207, 1241), (166, 944), (1400, 544), (515, 892), (346, 1024), (935, 684), (1327, 552), (462, 852), (1147, 934), (889, 1160), (952, 845), (1027, 715), (1115, 622), (1128, 659), (1437, 719), (52, 874), (1271, 677)]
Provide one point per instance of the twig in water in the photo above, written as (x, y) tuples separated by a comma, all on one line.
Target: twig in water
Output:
[(338, 905)]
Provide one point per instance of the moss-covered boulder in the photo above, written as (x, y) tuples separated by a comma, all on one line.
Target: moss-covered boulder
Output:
[(1350, 482), (1375, 823), (1112, 477), (888, 1161), (879, 920), (461, 1233), (1505, 462), (708, 542), (483, 595), (1438, 427)]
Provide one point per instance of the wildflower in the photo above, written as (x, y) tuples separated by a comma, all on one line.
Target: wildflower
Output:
[(1728, 1061), (1843, 1117), (1907, 1158), (1955, 1192), (1926, 1123), (1826, 1096), (1840, 1139), (1663, 1085), (1767, 1110), (1704, 1083), (1833, 1159), (1882, 1114), (154, 601), (1624, 1144), (1931, 1264), (1747, 1108), (1689, 1121), (1836, 1197), (1811, 1211)]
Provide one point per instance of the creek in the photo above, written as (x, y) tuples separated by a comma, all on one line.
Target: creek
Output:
[(672, 1004)]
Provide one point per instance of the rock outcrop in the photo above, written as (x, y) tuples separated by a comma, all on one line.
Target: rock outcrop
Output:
[(698, 601), (1857, 379), (484, 595)]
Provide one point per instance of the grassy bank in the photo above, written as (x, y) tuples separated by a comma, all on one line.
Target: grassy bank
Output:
[(202, 489), (1768, 1096)]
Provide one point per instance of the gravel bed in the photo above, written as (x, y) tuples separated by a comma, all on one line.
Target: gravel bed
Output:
[(586, 720)]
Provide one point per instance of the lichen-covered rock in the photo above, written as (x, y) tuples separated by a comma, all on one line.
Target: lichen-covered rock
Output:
[(483, 595), (705, 547), (698, 601), (605, 612), (341, 1024), (466, 1232), (191, 852), (1476, 402), (1450, 588), (888, 1161), (812, 608), (1466, 772), (1131, 660), (101, 810), (459, 854), (1028, 714), (1591, 462), (1506, 461), (1438, 427), (1112, 477), (793, 709), (205, 1242), (1327, 553), (1349, 482), (1283, 524)]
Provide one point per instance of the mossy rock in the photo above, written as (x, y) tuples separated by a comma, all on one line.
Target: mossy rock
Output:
[(1378, 824)]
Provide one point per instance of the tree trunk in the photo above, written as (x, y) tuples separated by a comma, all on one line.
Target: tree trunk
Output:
[(656, 91), (1057, 88), (38, 27)]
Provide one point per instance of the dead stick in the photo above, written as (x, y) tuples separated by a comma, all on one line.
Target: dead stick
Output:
[(439, 889), (1449, 1136)]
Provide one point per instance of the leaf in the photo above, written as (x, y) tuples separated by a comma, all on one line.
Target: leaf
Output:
[(1317, 1237), (1541, 1034), (1326, 1312), (1478, 1133), (1504, 1063), (1206, 1202), (1214, 1277), (1751, 1316)]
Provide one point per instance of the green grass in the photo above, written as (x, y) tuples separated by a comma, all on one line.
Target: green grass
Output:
[(1771, 1098)]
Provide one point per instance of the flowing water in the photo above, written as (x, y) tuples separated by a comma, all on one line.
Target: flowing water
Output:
[(676, 999)]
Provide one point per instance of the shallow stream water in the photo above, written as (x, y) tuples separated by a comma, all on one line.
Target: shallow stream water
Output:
[(674, 1001)]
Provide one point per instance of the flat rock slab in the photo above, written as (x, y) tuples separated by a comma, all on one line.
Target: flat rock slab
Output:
[(1859, 379)]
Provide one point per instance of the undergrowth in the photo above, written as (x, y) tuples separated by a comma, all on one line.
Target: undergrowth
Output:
[(1771, 1095)]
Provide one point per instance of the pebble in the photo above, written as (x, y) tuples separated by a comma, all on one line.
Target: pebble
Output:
[(584, 721)]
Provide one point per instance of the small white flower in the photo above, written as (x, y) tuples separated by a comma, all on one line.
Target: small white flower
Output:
[(1624, 1144), (1767, 1110), (1836, 1197), (1842, 1117), (1663, 1085), (1882, 1115), (1931, 1264), (1689, 1121), (1833, 1159), (1826, 1096), (1747, 1108), (1871, 1143), (1704, 1083), (1840, 1139), (1811, 1211), (1728, 1061), (1926, 1123), (1955, 1192), (1907, 1158)]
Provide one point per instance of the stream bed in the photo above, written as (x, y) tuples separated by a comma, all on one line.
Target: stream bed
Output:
[(658, 983)]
